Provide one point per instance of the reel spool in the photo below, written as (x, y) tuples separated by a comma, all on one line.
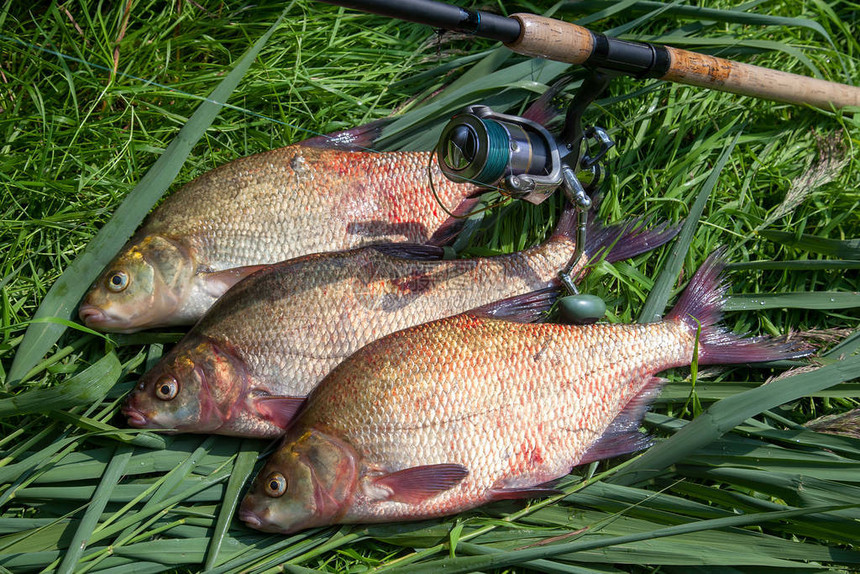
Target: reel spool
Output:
[(497, 150)]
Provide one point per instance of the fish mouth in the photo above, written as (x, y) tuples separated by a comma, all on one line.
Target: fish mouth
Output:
[(250, 518), (92, 316), (135, 417)]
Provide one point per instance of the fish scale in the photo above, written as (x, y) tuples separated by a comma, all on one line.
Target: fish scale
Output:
[(448, 415)]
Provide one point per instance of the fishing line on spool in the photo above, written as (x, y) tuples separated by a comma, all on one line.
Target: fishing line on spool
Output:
[(146, 82)]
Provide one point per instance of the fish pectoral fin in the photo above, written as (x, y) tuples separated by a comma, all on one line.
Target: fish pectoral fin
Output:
[(417, 484), (516, 493), (216, 283), (280, 410)]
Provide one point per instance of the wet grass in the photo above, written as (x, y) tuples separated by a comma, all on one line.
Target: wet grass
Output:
[(777, 186)]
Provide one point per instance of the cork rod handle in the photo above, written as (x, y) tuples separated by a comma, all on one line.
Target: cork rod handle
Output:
[(565, 42)]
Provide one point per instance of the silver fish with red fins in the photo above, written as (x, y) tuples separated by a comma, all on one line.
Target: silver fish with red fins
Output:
[(246, 367), (323, 194), (258, 210), (446, 416)]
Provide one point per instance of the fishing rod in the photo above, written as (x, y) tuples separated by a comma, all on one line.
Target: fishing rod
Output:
[(524, 160), (543, 37)]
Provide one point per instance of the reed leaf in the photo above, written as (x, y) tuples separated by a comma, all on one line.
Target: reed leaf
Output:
[(807, 300), (245, 460), (659, 295), (843, 249), (70, 287), (100, 497), (86, 387), (732, 411), (515, 557)]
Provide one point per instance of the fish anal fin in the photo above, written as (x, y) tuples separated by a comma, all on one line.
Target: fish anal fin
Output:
[(412, 251), (526, 308), (216, 283), (419, 483), (280, 410), (622, 436)]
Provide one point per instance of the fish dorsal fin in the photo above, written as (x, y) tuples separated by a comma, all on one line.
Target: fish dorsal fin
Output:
[(280, 410), (359, 138), (419, 483), (623, 436), (216, 283)]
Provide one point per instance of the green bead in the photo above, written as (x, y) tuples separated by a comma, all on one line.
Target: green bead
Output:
[(582, 308)]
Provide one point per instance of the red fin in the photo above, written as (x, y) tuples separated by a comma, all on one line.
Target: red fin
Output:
[(417, 484), (701, 304), (515, 493), (451, 227), (217, 283), (279, 410), (543, 110), (623, 436), (615, 242), (360, 138), (527, 308)]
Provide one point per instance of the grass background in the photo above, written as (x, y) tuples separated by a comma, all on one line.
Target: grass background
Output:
[(777, 185)]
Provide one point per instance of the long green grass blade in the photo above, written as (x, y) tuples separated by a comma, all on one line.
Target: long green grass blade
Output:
[(73, 283), (809, 300), (732, 411), (100, 498), (456, 565), (88, 386), (245, 460), (843, 249), (701, 13), (654, 305)]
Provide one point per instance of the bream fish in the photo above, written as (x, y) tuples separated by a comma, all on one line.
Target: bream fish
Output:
[(258, 210), (327, 193), (443, 417), (246, 367)]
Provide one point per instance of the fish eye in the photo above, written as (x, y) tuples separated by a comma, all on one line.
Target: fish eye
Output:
[(276, 485), (166, 388), (117, 281)]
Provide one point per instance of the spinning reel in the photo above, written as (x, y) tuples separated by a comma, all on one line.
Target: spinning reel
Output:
[(525, 161)]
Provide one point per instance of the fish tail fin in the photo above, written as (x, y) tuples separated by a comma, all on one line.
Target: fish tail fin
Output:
[(361, 138), (529, 307), (618, 241), (543, 110), (700, 307)]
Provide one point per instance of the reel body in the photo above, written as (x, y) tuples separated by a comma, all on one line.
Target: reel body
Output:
[(523, 160)]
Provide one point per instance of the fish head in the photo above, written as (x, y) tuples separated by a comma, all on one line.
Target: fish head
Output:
[(194, 388), (309, 481), (141, 288)]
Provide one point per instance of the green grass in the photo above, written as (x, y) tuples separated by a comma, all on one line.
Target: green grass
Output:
[(736, 481)]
